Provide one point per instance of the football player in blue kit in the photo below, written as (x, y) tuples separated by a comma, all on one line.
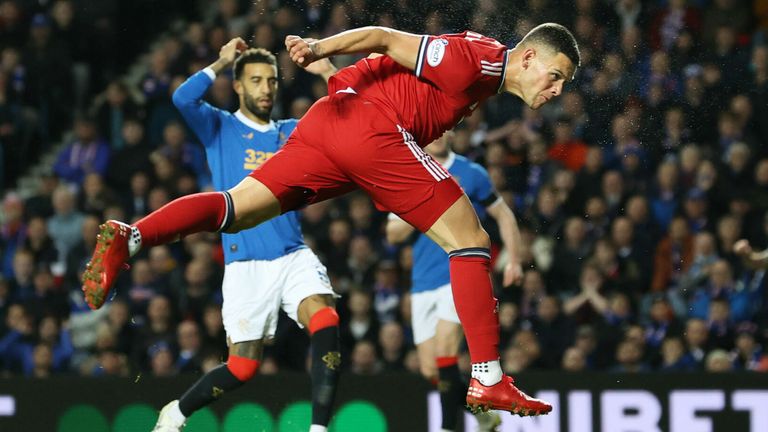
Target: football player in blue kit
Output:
[(268, 267), (437, 332)]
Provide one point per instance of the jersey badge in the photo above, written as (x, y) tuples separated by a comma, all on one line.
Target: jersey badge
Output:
[(436, 51), (332, 360)]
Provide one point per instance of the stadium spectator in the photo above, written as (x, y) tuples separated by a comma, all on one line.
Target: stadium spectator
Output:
[(590, 301), (554, 330), (66, 223), (364, 359), (184, 154), (533, 291), (704, 256), (111, 110), (362, 323), (12, 231), (87, 153), (161, 360), (386, 291), (188, 336), (122, 325), (661, 322), (568, 259), (40, 243), (673, 256), (718, 361), (18, 341), (573, 360), (131, 157), (629, 358), (673, 357), (41, 203), (47, 299), (22, 286), (392, 346), (159, 330)]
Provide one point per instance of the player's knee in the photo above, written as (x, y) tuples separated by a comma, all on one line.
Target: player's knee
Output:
[(253, 203), (242, 368), (478, 238)]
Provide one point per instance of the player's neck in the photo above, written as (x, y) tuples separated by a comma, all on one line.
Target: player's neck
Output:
[(512, 74), (253, 117), (445, 158)]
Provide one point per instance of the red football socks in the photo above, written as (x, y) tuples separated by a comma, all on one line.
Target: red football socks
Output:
[(242, 368), (324, 318), (475, 303), (443, 362), (206, 211)]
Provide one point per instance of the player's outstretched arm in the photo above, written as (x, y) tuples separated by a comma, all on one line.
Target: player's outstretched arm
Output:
[(402, 47), (323, 68), (510, 235), (398, 230)]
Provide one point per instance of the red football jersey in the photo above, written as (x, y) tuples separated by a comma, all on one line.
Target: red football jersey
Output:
[(454, 72)]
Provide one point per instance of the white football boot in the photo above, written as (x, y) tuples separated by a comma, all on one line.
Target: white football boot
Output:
[(167, 422)]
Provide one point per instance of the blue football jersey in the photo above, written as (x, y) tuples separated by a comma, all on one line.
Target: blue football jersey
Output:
[(430, 262), (235, 146)]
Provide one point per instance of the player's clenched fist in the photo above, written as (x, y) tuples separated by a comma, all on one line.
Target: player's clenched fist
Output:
[(231, 49), (302, 51)]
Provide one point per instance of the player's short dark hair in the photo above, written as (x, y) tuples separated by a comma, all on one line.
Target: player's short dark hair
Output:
[(253, 55), (556, 36)]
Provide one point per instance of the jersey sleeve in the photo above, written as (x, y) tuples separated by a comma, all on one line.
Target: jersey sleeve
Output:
[(201, 117), (453, 63), (484, 192)]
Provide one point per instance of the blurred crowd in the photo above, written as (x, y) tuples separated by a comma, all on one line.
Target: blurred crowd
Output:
[(630, 189)]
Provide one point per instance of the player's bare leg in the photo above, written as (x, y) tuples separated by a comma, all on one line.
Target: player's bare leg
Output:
[(244, 206), (241, 366), (318, 315), (458, 232), (254, 203)]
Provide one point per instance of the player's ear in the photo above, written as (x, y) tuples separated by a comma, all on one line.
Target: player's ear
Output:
[(528, 55), (237, 86)]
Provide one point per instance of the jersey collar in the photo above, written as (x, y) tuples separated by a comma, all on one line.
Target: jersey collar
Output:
[(503, 71), (252, 124)]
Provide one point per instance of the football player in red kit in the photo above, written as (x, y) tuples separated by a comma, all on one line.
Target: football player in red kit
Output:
[(368, 134)]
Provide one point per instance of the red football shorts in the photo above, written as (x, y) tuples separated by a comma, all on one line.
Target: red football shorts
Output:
[(345, 142)]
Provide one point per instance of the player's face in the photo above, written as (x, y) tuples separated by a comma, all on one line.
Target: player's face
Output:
[(544, 77), (257, 88)]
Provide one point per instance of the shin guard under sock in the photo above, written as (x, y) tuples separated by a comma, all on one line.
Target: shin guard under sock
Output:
[(208, 211), (326, 363), (211, 387), (475, 303)]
